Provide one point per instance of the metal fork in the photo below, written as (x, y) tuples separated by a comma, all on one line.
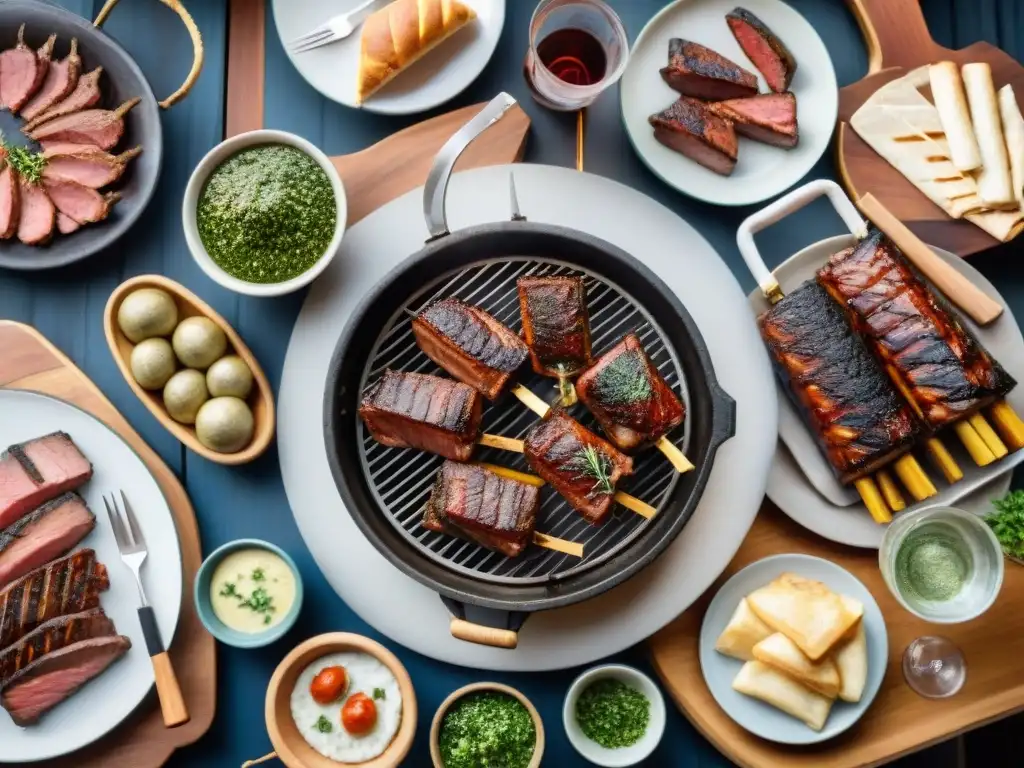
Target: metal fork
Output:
[(334, 29), (132, 547)]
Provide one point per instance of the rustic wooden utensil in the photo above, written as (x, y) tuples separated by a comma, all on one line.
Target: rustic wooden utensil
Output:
[(898, 41)]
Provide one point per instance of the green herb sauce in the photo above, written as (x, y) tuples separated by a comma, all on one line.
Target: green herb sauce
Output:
[(613, 714), (267, 214), (487, 729), (624, 381), (932, 565)]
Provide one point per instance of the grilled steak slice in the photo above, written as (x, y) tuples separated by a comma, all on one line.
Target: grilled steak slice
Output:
[(578, 464), (851, 408), (690, 128), (556, 324), (629, 397), (10, 199), (21, 73), (88, 166), (36, 213), (940, 367), (434, 520), (69, 585), (86, 94), (763, 47), (36, 471), (43, 534), (695, 70), (101, 128), (768, 117), (83, 204), (52, 636), (59, 81), (46, 682), (470, 344), (415, 410)]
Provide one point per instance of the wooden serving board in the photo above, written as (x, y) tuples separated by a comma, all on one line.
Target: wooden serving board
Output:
[(31, 362), (899, 721), (898, 41)]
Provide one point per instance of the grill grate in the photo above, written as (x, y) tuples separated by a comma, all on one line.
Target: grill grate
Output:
[(401, 479)]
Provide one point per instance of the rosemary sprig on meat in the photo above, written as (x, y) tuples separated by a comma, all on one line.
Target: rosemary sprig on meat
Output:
[(28, 164), (592, 464)]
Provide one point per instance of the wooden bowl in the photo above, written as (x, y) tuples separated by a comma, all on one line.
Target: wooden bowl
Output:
[(435, 726), (261, 400), (291, 748)]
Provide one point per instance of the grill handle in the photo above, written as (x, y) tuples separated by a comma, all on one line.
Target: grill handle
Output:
[(436, 189), (490, 626)]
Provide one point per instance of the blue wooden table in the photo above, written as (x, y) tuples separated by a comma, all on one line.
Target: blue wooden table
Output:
[(250, 501)]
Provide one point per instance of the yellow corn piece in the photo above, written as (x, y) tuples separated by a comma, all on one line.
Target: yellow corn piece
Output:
[(914, 478), (530, 400), (1009, 424), (513, 474), (988, 435), (558, 545), (944, 460), (975, 446), (503, 443), (873, 500), (633, 504), (674, 455), (890, 491)]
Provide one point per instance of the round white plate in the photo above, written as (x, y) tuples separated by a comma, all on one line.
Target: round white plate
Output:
[(439, 76), (411, 614), (761, 171), (760, 718), (103, 703)]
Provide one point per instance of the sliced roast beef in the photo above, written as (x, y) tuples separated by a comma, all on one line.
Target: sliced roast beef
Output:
[(690, 128), (19, 74), (52, 636), (43, 534), (9, 202), (88, 166), (83, 204), (46, 682), (102, 128), (36, 214), (695, 70), (33, 472), (86, 94), (768, 117), (60, 80), (763, 47), (66, 225)]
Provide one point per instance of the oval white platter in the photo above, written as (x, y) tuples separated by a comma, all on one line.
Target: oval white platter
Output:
[(762, 171), (106, 701)]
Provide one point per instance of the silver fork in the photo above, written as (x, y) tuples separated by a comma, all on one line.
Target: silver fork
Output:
[(132, 547), (334, 29)]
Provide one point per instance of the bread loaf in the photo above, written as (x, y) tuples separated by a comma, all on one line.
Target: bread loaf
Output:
[(400, 33)]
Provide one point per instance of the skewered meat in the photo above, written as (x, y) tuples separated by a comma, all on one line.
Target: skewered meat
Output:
[(556, 324), (36, 213), (937, 364), (415, 410), (43, 534), (695, 70), (52, 636), (629, 397), (88, 166), (33, 472), (59, 81), (768, 117), (851, 408), (86, 94), (101, 128), (578, 464), (470, 344), (10, 199), (69, 585), (83, 204), (473, 502), (763, 47), (690, 128), (21, 72)]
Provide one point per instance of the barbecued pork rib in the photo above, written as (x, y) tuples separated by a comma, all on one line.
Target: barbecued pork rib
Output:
[(936, 363), (578, 464), (852, 409), (470, 344), (556, 324), (416, 410), (631, 401)]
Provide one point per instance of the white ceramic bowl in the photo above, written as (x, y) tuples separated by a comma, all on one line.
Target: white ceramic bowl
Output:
[(623, 756), (206, 166)]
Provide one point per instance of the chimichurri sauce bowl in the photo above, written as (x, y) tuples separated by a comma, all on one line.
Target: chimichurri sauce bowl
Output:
[(264, 213)]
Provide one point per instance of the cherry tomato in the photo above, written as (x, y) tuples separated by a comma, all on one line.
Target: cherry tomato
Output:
[(329, 685), (359, 714)]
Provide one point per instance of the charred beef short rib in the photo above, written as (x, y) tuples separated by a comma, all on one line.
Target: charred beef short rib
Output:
[(768, 117), (52, 636), (695, 70), (43, 534), (690, 128), (630, 399), (416, 410), (579, 465), (763, 47), (556, 324), (471, 501), (36, 471)]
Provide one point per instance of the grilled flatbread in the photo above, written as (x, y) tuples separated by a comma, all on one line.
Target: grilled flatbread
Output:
[(851, 659), (743, 632), (951, 103), (769, 685), (1013, 130), (994, 175), (781, 653)]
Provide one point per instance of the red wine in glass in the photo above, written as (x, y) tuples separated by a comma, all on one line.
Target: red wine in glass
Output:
[(574, 56)]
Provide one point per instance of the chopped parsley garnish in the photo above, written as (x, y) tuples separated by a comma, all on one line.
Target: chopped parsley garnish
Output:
[(228, 590), (613, 714), (259, 601), (258, 574), (323, 725), (379, 693), (593, 464), (487, 729)]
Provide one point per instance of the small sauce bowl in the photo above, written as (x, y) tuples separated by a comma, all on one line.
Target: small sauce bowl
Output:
[(218, 628), (623, 756)]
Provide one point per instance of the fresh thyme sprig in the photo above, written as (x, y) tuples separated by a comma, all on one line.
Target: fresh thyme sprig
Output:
[(592, 464), (28, 164)]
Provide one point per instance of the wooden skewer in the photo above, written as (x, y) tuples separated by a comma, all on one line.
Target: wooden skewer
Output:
[(674, 455), (890, 491), (873, 500), (1009, 424)]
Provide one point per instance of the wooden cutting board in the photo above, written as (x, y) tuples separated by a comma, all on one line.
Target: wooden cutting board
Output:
[(29, 361), (898, 41)]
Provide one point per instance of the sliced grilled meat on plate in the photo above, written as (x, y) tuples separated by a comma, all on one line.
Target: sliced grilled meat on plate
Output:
[(10, 201), (36, 471), (578, 464), (37, 215), (86, 94), (695, 70), (763, 47), (59, 81), (630, 399), (52, 636), (416, 410), (846, 400), (46, 532), (470, 344), (556, 324), (768, 117), (690, 128), (21, 72), (101, 128), (89, 166)]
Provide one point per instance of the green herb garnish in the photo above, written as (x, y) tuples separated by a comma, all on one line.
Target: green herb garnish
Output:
[(1007, 523), (379, 693), (259, 601), (228, 590), (28, 164), (613, 714), (487, 729), (625, 380), (323, 725), (593, 464), (259, 574)]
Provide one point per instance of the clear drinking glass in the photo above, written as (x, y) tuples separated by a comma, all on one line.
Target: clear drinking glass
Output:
[(945, 566), (577, 49)]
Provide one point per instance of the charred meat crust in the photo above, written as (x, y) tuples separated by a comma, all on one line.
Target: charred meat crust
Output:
[(696, 70), (52, 636), (690, 128), (556, 323), (763, 47)]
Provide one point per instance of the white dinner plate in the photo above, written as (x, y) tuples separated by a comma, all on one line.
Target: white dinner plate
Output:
[(761, 171), (719, 670), (106, 701), (439, 76)]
